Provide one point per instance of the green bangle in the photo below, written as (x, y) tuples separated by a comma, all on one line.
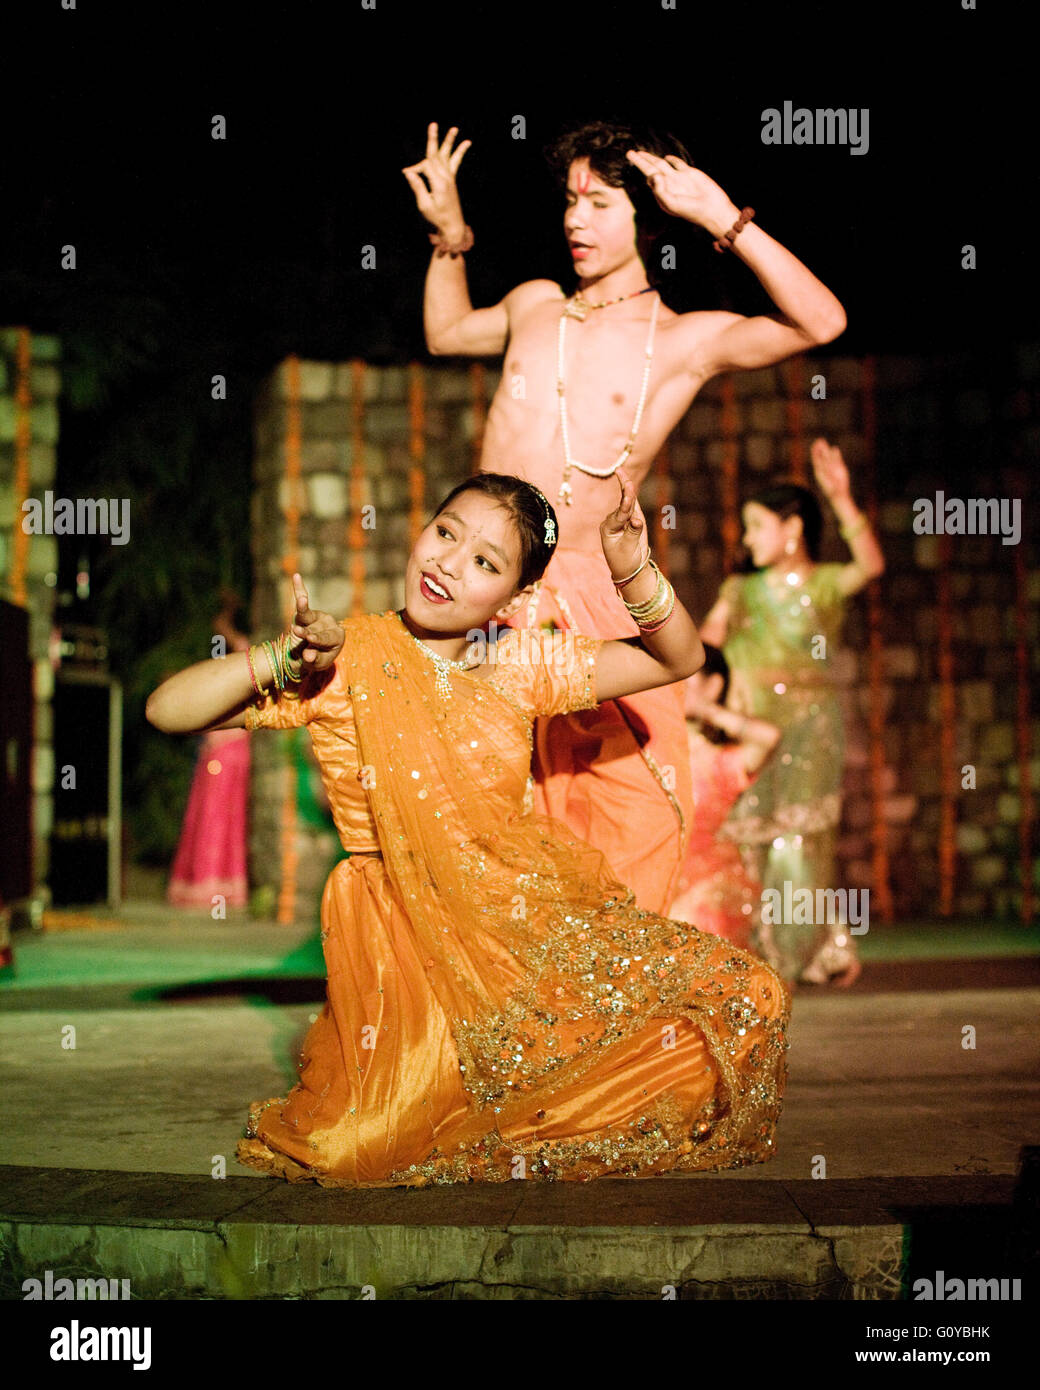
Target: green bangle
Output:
[(851, 532)]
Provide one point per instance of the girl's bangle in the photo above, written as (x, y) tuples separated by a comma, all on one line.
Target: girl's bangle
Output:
[(252, 670), (851, 532), (620, 583)]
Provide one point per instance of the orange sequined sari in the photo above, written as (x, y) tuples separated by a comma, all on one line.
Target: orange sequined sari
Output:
[(497, 1005)]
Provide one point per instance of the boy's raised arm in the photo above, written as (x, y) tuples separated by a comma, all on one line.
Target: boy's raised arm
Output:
[(453, 327)]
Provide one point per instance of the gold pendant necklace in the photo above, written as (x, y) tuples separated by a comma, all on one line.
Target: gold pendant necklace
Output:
[(577, 307), (442, 664)]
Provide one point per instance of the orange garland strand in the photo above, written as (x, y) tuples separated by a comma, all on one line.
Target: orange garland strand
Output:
[(22, 445), (794, 379), (479, 382), (416, 451), (880, 879), (730, 477), (290, 564), (947, 737), (356, 535), (1025, 785)]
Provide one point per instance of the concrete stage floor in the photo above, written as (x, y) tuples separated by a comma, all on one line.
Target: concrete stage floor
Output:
[(109, 1147)]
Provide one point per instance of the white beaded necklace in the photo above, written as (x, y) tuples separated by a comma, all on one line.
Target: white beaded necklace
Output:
[(561, 391)]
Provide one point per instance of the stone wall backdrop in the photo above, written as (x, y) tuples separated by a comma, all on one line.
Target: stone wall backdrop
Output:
[(936, 428), (44, 389)]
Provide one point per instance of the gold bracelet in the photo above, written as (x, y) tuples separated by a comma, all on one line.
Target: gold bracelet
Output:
[(620, 583), (649, 604), (851, 532)]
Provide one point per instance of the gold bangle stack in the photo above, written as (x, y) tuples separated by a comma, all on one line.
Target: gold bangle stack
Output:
[(655, 611)]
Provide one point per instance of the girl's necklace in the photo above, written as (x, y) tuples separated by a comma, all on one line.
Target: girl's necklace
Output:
[(442, 665)]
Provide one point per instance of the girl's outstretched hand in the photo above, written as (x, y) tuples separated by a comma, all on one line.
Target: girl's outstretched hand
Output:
[(832, 474), (321, 635), (623, 529)]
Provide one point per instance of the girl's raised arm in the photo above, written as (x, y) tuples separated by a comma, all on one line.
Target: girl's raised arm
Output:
[(213, 694), (668, 648), (832, 475)]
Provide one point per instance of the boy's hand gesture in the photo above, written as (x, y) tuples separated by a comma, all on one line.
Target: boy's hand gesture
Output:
[(686, 192), (321, 634), (432, 181)]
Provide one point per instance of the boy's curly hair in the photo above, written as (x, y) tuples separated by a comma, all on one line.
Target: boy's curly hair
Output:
[(605, 145)]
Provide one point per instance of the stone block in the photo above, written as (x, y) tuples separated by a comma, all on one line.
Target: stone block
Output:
[(987, 870), (43, 681), (971, 839), (327, 494), (43, 418), (767, 415), (325, 456), (43, 463), (758, 452), (448, 385), (43, 556), (46, 348), (843, 374), (330, 595), (926, 552), (763, 382), (326, 420), (1013, 778), (997, 743), (44, 381), (703, 421), (895, 518), (901, 663), (976, 701), (898, 810), (837, 413), (316, 380)]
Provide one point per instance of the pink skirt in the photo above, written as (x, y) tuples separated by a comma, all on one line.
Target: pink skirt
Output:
[(211, 855)]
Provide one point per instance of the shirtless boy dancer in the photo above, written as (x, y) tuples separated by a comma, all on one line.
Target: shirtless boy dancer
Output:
[(591, 383)]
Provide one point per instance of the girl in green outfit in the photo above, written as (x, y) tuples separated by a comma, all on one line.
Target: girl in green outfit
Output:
[(779, 627)]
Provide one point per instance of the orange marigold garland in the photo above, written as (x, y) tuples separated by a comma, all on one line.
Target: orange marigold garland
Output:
[(356, 535), (880, 878), (290, 564), (947, 737), (1025, 785), (22, 445), (730, 477), (416, 451)]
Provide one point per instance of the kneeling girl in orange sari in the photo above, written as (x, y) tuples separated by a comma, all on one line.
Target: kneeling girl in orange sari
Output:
[(497, 1004)]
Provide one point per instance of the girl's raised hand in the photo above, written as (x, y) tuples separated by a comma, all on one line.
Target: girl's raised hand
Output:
[(830, 469), (321, 635), (621, 531)]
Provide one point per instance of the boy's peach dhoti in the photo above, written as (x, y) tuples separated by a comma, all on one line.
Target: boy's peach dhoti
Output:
[(617, 775)]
